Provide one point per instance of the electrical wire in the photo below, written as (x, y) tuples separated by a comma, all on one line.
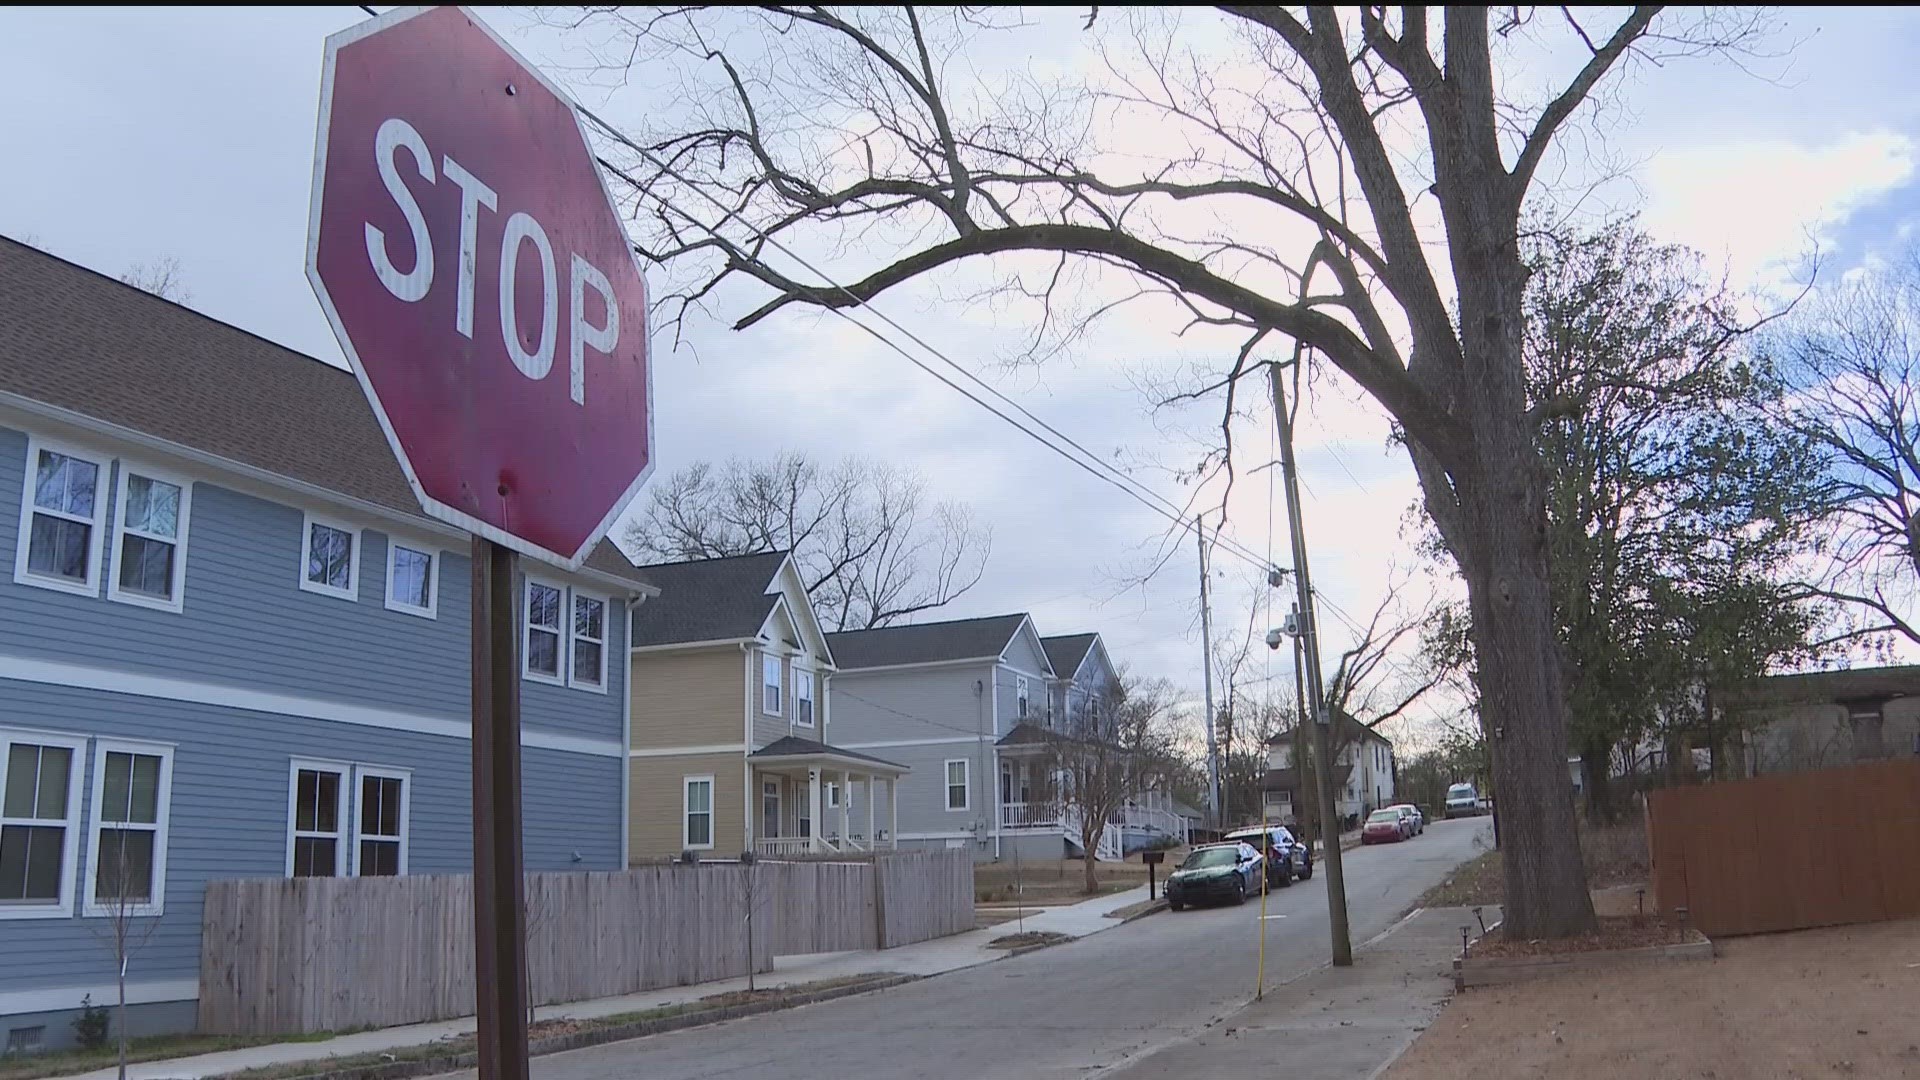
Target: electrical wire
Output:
[(1088, 461)]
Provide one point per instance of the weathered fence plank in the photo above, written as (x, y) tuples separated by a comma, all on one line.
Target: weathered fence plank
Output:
[(282, 956)]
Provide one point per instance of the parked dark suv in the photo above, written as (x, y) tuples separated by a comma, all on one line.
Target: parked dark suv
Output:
[(1287, 857)]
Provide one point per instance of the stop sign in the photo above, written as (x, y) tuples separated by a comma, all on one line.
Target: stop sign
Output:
[(468, 254)]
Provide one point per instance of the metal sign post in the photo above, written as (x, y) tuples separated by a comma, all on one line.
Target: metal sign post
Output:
[(499, 901)]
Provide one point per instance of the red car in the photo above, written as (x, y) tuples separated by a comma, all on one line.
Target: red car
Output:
[(1384, 827)]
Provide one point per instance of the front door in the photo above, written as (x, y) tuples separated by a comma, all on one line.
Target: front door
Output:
[(770, 808)]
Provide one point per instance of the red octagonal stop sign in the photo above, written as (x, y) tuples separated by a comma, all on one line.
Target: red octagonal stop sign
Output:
[(465, 247)]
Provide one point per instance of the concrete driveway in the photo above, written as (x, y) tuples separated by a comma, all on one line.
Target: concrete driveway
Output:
[(1061, 1012)]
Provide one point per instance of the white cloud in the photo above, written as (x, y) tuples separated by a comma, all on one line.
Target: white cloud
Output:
[(1762, 204)]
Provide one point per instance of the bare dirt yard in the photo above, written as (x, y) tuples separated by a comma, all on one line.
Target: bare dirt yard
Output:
[(1061, 881), (1816, 1003)]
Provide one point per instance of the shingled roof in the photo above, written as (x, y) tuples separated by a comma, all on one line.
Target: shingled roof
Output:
[(1067, 652), (83, 342), (707, 599), (924, 643)]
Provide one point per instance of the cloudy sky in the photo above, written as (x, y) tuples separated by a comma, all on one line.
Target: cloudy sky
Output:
[(130, 136)]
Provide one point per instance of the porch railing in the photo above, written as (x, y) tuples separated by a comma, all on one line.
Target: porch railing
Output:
[(1029, 815), (782, 845)]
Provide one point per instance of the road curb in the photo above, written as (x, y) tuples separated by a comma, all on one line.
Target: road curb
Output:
[(1154, 907), (580, 1040)]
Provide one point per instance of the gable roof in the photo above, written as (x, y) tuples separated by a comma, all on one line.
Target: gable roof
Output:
[(87, 344), (1067, 652), (795, 746), (1353, 729), (925, 643), (707, 599)]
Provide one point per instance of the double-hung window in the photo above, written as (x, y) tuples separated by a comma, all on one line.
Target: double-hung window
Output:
[(39, 823), (317, 833), (589, 642), (696, 813), (770, 684), (347, 819), (957, 783), (413, 572), (544, 607), (1020, 696), (380, 822), (802, 696), (330, 559), (127, 854), (149, 539), (62, 510)]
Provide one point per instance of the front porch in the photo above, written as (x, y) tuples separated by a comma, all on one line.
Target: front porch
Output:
[(804, 799)]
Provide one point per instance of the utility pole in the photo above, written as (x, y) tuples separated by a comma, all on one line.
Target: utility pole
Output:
[(1300, 729), (1316, 693), (1206, 674)]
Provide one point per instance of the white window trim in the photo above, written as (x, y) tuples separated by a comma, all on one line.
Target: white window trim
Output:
[(177, 601), (832, 788), (405, 776), (76, 777), (340, 817), (1021, 697), (813, 686), (606, 621), (163, 800), (686, 811), (778, 684), (559, 675), (351, 593), (432, 552), (946, 784), (23, 539)]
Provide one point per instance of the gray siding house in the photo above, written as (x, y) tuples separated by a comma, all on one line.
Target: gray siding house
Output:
[(938, 698), (231, 646)]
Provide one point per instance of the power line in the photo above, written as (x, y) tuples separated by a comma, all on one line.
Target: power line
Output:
[(1091, 464)]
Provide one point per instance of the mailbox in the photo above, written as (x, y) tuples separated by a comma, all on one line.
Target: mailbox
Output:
[(1151, 859)]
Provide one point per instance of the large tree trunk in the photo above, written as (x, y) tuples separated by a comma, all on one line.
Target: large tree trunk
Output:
[(1596, 766), (1524, 709)]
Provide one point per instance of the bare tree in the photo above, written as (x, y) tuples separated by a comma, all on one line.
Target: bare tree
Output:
[(869, 548), (123, 893), (1277, 197), (1126, 751), (163, 277), (1855, 357)]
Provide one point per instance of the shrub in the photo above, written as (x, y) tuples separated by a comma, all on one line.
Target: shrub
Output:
[(90, 1028)]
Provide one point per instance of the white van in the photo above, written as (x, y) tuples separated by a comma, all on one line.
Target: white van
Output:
[(1462, 801)]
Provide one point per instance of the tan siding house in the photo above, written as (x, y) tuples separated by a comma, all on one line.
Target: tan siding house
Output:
[(729, 752)]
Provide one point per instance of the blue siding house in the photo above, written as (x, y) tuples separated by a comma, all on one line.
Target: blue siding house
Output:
[(231, 646)]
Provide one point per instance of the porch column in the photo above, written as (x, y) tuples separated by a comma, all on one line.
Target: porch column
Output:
[(813, 802), (846, 809), (893, 813), (873, 839)]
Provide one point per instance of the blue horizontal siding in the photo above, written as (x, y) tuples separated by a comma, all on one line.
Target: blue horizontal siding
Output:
[(228, 816), (247, 622)]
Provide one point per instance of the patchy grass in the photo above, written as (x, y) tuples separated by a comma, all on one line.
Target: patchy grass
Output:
[(1615, 854), (371, 1063), (1028, 939), (1476, 881), (145, 1048), (1061, 880)]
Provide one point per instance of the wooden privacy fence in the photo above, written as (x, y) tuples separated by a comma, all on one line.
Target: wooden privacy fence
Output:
[(1819, 848), (291, 955)]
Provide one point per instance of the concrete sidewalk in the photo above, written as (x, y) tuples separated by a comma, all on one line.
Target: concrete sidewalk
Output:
[(923, 958), (1331, 1023)]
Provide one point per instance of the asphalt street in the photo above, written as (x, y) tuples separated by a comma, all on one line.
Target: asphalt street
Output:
[(1067, 1011)]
